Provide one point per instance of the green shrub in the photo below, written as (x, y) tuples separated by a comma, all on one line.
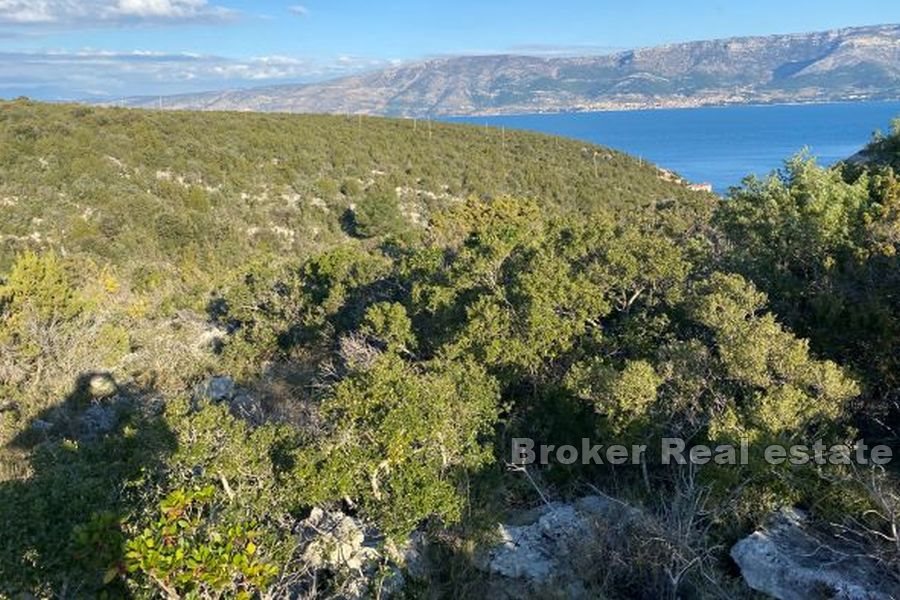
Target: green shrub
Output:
[(378, 214), (190, 552), (404, 439), (38, 287)]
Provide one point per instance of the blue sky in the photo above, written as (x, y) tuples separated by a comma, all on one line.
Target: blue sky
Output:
[(62, 49)]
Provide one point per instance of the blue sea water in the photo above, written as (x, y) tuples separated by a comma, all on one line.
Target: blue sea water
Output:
[(719, 145)]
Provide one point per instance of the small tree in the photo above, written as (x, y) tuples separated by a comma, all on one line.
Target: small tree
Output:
[(403, 437), (378, 214)]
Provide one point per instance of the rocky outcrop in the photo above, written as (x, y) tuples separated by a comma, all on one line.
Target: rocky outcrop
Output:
[(334, 540), (537, 552), (359, 561), (219, 389), (241, 401), (790, 560)]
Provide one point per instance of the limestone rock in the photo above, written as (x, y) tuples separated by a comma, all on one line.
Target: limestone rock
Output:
[(219, 389), (789, 560), (335, 540), (537, 552), (412, 555), (339, 544)]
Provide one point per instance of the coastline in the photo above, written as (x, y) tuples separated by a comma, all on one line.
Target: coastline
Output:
[(625, 108)]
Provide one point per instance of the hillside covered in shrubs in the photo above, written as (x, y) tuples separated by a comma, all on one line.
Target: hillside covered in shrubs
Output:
[(215, 326)]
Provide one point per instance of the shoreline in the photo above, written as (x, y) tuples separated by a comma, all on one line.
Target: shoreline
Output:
[(620, 108), (647, 108)]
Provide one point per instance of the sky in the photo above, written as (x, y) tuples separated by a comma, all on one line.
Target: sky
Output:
[(107, 49)]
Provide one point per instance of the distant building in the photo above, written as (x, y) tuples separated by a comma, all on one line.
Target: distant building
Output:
[(672, 177), (667, 175)]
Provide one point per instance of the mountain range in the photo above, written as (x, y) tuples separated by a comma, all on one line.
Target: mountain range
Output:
[(860, 63)]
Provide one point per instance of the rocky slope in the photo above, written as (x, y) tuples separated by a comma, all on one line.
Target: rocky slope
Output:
[(838, 65)]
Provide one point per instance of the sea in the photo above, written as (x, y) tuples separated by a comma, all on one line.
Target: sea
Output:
[(719, 145)]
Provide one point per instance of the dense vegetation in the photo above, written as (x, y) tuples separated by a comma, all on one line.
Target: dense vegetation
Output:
[(396, 302)]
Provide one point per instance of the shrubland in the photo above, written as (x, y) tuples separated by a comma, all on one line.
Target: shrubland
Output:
[(395, 307)]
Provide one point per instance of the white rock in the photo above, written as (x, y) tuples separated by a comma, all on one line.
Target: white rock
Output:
[(335, 541), (788, 560), (218, 389), (538, 552)]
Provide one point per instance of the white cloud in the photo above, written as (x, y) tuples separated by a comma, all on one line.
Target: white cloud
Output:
[(99, 12), (299, 10), (265, 68), (165, 9), (561, 50), (63, 75), (25, 11)]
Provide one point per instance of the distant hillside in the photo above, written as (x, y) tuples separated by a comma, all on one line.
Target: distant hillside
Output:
[(147, 188), (845, 64)]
